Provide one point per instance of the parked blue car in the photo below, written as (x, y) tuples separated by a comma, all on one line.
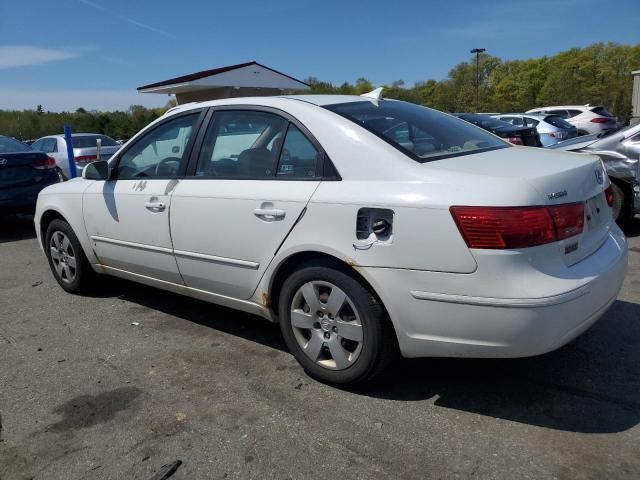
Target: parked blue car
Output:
[(23, 173)]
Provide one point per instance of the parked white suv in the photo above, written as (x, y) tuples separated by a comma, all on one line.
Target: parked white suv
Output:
[(586, 118)]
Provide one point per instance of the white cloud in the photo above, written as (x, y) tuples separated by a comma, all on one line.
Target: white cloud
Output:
[(124, 17), (26, 55), (70, 100)]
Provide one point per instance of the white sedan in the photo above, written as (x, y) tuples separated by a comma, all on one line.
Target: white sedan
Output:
[(364, 226)]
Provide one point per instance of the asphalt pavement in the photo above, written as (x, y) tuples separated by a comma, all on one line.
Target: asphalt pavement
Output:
[(116, 384)]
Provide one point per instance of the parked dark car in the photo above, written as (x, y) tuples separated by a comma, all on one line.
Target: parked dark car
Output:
[(23, 173), (527, 136)]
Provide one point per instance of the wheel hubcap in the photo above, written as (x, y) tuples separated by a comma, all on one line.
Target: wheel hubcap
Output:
[(63, 257), (326, 325)]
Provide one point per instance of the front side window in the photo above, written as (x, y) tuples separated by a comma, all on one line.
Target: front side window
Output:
[(241, 144), (159, 153), (432, 135)]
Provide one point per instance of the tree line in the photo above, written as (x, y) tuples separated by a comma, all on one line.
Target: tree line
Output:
[(599, 74), (32, 124)]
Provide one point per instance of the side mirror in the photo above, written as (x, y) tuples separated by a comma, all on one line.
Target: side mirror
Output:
[(98, 170)]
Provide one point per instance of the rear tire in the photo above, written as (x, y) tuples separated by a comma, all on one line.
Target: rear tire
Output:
[(335, 326), (621, 208), (67, 260)]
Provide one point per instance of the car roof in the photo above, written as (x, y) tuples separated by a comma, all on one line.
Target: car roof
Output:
[(61, 135), (318, 100), (580, 107)]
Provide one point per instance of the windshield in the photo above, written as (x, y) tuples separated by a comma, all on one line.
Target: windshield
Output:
[(88, 141), (421, 133), (601, 111), (10, 145)]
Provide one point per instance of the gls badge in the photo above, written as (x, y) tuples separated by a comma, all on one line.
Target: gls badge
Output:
[(599, 176)]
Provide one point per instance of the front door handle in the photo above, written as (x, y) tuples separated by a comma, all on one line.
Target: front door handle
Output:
[(269, 213), (155, 206)]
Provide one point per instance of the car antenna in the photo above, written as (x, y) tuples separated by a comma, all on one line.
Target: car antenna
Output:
[(375, 95)]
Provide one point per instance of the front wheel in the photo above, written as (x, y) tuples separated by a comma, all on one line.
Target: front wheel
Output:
[(67, 260), (335, 326)]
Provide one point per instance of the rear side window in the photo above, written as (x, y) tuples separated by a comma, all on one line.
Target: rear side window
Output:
[(299, 157), (601, 111), (241, 144), (571, 113), (562, 113), (530, 122), (557, 122)]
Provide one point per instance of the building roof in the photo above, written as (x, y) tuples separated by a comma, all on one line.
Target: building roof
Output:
[(249, 74)]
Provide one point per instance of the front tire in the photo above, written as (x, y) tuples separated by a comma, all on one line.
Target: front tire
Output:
[(67, 260), (335, 326)]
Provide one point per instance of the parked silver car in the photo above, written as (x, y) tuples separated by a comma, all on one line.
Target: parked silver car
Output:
[(551, 128), (84, 150), (620, 152)]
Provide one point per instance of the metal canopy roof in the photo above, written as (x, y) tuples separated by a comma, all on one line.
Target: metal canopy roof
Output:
[(250, 74)]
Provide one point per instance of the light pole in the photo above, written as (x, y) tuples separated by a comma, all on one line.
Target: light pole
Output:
[(478, 51)]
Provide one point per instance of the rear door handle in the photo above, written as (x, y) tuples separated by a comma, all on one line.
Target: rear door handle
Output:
[(269, 213), (155, 206)]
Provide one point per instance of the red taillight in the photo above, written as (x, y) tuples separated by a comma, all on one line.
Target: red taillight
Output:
[(86, 158), (567, 219), (514, 140), (610, 195), (517, 227), (599, 120), (44, 163)]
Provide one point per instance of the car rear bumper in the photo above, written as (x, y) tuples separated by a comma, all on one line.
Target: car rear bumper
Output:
[(460, 323), (24, 198)]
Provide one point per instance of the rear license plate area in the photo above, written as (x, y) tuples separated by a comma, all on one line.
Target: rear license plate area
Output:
[(594, 212)]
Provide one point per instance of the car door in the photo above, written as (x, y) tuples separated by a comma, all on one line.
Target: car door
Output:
[(127, 217), (248, 185)]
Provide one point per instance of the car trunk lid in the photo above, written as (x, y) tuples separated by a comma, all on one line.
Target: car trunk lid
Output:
[(555, 178)]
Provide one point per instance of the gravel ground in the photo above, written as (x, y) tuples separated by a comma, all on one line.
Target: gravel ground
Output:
[(86, 394)]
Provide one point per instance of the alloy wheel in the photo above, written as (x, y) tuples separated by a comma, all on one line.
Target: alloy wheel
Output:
[(326, 325), (63, 257)]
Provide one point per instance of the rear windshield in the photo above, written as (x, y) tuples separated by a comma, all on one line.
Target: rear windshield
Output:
[(421, 133), (601, 111), (483, 121), (557, 121), (88, 141), (11, 145)]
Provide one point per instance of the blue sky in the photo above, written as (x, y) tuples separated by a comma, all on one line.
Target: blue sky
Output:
[(93, 53)]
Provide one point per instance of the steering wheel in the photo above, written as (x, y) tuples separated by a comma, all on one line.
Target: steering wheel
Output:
[(164, 167)]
